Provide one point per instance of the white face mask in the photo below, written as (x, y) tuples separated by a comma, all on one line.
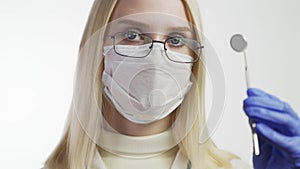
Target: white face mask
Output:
[(148, 89)]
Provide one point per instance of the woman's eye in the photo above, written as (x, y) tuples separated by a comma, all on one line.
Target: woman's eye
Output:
[(176, 42), (131, 35)]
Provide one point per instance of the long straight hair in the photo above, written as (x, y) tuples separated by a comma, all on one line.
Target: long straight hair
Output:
[(76, 150)]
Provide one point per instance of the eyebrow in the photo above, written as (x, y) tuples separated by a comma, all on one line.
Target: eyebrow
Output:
[(145, 25), (132, 22)]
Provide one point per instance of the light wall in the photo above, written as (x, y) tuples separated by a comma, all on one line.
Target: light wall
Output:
[(272, 31)]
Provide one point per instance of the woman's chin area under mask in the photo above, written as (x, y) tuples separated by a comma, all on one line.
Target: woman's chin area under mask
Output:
[(124, 126)]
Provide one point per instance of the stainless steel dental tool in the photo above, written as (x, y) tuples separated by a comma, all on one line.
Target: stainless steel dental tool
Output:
[(239, 44)]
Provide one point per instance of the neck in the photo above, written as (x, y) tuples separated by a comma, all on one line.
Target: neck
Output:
[(126, 127)]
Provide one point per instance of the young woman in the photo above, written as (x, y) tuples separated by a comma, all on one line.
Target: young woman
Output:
[(139, 95)]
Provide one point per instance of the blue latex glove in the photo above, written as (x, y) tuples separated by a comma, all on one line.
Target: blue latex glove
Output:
[(278, 129)]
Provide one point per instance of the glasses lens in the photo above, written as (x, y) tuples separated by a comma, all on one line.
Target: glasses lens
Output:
[(132, 44), (183, 49)]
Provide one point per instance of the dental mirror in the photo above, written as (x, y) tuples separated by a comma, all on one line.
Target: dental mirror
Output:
[(239, 44)]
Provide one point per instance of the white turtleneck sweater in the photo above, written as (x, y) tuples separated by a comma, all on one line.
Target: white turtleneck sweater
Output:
[(159, 151)]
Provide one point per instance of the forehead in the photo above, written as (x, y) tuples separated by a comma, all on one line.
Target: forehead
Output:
[(129, 7), (153, 16)]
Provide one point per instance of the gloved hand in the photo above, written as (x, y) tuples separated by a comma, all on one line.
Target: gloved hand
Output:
[(278, 129)]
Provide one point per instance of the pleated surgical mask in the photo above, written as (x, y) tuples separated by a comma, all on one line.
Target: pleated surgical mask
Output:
[(144, 90)]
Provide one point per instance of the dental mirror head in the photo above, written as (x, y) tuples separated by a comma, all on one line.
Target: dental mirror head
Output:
[(238, 43)]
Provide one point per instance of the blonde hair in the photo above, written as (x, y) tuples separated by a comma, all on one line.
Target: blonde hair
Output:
[(76, 150)]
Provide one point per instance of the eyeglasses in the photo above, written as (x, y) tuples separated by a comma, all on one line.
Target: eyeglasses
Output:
[(143, 45)]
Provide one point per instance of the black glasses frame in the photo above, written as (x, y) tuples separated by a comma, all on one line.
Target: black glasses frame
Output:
[(151, 46)]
